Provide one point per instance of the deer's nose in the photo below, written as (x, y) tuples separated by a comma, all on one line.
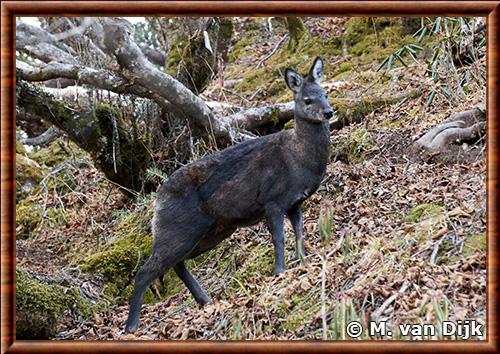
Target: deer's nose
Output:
[(328, 114)]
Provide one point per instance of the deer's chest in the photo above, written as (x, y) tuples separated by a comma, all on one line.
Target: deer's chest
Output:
[(308, 186)]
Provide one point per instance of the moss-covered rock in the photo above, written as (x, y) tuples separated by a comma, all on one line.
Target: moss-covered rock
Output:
[(120, 259), (269, 78), (28, 217), (350, 111), (40, 306), (353, 148), (375, 37), (28, 175)]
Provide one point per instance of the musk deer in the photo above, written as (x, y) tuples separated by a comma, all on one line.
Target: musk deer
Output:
[(204, 202)]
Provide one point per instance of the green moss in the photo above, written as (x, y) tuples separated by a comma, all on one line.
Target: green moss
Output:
[(343, 67), (290, 124), (349, 111), (242, 48), (20, 149), (363, 33), (380, 45), (475, 243), (149, 297), (56, 153), (424, 211), (29, 215), (120, 259), (353, 148), (128, 249), (356, 28), (39, 306), (175, 57), (126, 167), (303, 307), (259, 262), (369, 40), (269, 78), (296, 32), (123, 256)]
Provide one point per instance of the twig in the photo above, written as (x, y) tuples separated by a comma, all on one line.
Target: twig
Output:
[(376, 314), (272, 51), (436, 250), (323, 299)]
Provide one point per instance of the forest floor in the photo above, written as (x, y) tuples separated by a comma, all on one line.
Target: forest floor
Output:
[(408, 241)]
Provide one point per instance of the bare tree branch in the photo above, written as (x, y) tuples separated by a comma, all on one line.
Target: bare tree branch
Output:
[(74, 30), (70, 30), (102, 79), (29, 35), (464, 125), (117, 42), (154, 55), (47, 53), (254, 118), (46, 137)]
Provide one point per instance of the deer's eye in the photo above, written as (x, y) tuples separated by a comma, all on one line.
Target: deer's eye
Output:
[(307, 101)]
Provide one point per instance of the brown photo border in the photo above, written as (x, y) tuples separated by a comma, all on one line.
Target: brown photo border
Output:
[(12, 9)]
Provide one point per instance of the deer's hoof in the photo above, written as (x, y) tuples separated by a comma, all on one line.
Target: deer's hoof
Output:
[(131, 328), (279, 271)]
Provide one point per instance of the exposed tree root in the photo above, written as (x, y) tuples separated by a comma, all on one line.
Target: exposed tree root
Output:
[(442, 140)]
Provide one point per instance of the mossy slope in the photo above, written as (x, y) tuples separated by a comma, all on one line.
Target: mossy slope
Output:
[(40, 306)]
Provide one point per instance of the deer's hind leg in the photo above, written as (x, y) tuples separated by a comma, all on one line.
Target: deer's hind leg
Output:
[(209, 241), (194, 287), (151, 270), (175, 237)]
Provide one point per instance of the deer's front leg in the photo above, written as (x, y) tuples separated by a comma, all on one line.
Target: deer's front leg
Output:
[(295, 216), (276, 219)]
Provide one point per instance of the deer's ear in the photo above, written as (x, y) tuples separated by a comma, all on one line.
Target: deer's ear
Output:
[(316, 72), (293, 80)]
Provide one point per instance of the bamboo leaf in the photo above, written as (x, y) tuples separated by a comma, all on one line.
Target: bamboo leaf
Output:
[(409, 49), (389, 63), (437, 25), (416, 46), (383, 63), (430, 99), (401, 60)]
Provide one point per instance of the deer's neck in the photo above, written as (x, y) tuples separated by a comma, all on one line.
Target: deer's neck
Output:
[(312, 142)]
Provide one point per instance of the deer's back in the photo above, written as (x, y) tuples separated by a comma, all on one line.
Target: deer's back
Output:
[(234, 185)]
